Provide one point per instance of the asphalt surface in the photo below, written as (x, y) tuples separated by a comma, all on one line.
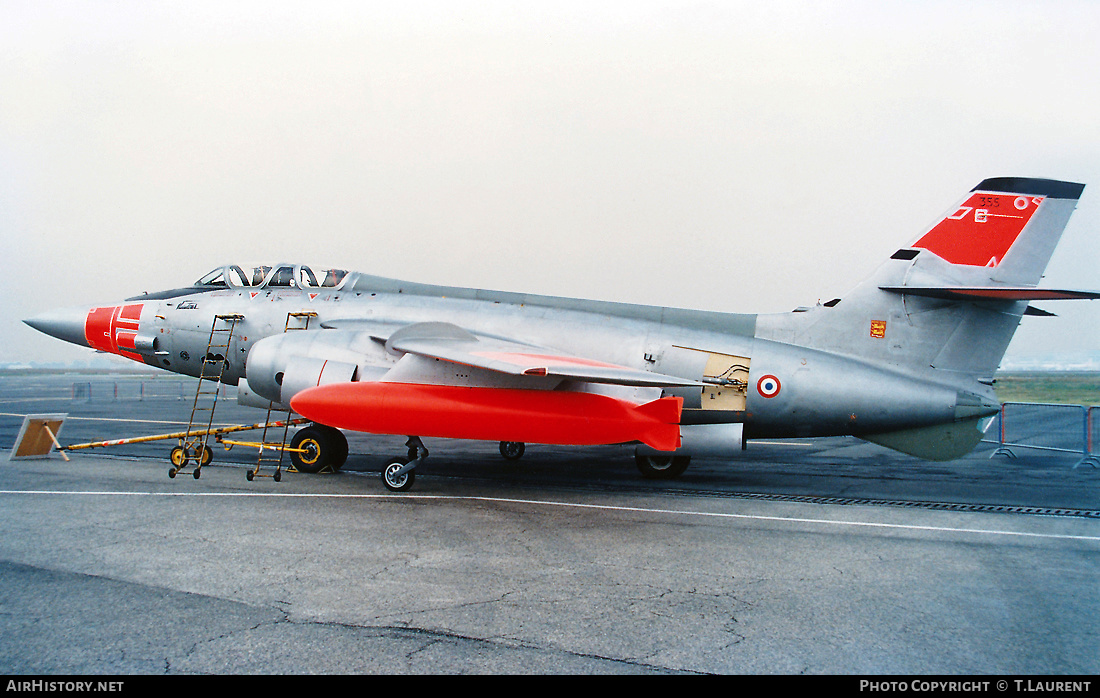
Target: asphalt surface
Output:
[(830, 556)]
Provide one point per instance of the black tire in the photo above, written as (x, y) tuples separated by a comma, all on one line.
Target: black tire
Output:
[(318, 447), (205, 455), (178, 457), (512, 450), (399, 484), (659, 467), (338, 444)]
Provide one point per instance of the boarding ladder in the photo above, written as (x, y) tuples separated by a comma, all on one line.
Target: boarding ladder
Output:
[(294, 321), (193, 444)]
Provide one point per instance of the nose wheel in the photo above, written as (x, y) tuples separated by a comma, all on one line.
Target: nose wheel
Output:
[(400, 474), (397, 477)]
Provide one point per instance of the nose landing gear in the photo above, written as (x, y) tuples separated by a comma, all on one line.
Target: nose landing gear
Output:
[(400, 474)]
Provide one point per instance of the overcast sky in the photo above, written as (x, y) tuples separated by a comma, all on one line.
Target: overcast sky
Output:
[(734, 156)]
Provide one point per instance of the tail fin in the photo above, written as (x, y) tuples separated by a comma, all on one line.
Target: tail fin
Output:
[(953, 299), (1008, 224)]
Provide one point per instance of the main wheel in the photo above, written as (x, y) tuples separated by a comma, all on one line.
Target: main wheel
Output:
[(661, 467), (205, 456), (512, 450), (338, 445), (397, 483), (316, 450)]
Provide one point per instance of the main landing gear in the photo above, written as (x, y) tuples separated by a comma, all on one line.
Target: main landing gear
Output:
[(660, 467), (318, 447), (512, 450)]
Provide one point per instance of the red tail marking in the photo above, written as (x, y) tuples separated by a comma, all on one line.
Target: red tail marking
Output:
[(982, 229)]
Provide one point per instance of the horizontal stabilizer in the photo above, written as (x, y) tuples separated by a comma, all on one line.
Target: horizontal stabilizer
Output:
[(1038, 312), (993, 293)]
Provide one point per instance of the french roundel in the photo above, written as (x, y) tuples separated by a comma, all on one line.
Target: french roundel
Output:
[(768, 386)]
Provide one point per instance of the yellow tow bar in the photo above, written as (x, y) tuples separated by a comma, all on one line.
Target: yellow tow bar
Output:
[(183, 434)]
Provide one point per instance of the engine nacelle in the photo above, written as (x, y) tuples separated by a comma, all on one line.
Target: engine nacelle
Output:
[(247, 397), (281, 366), (304, 372)]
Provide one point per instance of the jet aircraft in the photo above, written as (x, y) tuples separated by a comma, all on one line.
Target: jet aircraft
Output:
[(906, 360)]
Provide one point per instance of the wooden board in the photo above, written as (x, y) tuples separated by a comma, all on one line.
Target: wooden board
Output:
[(38, 436)]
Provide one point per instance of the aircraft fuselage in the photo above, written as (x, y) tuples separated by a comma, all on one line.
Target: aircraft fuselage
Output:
[(905, 360), (776, 389)]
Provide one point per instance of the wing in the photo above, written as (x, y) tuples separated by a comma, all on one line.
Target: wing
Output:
[(513, 399), (448, 342)]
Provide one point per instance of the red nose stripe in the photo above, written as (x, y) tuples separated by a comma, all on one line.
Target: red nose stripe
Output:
[(113, 329), (98, 329)]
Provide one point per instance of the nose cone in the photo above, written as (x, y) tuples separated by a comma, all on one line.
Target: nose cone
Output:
[(63, 323)]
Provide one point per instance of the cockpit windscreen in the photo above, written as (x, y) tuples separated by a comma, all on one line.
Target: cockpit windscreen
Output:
[(283, 276)]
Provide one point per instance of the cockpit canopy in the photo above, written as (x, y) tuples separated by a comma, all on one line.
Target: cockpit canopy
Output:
[(273, 276)]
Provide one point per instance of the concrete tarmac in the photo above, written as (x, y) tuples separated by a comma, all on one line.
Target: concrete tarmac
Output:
[(563, 562)]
